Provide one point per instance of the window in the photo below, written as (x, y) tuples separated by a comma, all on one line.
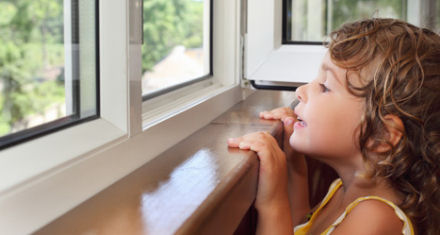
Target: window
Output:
[(310, 21), (278, 53), (48, 67), (109, 147), (177, 44)]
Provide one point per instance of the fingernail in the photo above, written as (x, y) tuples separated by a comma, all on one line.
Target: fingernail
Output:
[(231, 140), (288, 121)]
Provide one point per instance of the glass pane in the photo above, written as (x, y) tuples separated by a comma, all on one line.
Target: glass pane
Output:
[(43, 45), (312, 20), (176, 46)]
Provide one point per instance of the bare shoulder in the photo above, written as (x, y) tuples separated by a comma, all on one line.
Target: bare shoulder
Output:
[(370, 217)]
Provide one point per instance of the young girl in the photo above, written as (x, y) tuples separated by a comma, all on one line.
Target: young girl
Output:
[(373, 115)]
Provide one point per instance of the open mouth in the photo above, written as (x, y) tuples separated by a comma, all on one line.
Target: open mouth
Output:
[(300, 123)]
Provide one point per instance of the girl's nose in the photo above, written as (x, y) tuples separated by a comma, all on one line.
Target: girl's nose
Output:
[(301, 94)]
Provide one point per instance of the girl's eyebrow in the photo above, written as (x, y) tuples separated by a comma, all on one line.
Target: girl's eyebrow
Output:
[(326, 67)]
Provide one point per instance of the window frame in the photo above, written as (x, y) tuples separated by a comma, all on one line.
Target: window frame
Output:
[(48, 176), (67, 121), (266, 50), (405, 10), (266, 56), (285, 26)]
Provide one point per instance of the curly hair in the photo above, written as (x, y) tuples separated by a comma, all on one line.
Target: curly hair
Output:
[(399, 66)]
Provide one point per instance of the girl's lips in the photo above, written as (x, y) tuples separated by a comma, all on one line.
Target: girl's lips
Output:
[(299, 124)]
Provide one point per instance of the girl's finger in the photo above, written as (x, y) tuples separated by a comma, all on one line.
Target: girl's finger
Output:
[(288, 126), (244, 142), (234, 142), (268, 116), (244, 145)]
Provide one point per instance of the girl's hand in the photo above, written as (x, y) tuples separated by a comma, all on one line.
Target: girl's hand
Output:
[(278, 114), (297, 165), (288, 117), (272, 183)]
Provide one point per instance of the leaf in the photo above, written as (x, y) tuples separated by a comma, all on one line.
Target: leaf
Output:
[(7, 13)]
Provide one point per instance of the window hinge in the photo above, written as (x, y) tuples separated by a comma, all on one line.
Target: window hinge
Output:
[(244, 81), (243, 43)]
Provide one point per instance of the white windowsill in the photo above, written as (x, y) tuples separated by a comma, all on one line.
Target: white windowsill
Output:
[(161, 108), (61, 178)]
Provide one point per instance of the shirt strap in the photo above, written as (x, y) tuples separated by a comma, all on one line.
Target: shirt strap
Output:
[(303, 228), (407, 225)]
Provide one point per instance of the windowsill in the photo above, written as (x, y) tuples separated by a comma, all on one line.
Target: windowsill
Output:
[(44, 178), (18, 167), (161, 108), (194, 187)]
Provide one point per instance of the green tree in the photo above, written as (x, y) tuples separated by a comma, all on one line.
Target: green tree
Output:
[(30, 40), (168, 23), (350, 10)]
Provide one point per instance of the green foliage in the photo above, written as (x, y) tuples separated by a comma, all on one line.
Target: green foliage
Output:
[(350, 10), (7, 13), (168, 23), (31, 39)]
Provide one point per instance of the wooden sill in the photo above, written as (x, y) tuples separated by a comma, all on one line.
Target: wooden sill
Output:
[(199, 186)]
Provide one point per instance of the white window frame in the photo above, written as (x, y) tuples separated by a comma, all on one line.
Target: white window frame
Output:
[(46, 177), (267, 61)]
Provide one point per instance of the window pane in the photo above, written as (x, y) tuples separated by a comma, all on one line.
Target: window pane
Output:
[(176, 46), (47, 64), (312, 20)]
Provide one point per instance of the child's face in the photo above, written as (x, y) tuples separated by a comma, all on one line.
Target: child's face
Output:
[(330, 115)]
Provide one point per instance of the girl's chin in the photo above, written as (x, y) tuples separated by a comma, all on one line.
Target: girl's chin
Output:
[(294, 139), (295, 145)]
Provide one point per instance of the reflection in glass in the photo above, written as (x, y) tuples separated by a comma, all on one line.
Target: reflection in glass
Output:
[(47, 65), (176, 42), (312, 20)]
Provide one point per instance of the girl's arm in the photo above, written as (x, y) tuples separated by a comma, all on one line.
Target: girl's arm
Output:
[(296, 165), (271, 219), (298, 188), (272, 200)]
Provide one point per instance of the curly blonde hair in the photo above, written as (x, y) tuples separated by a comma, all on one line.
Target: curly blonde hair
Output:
[(399, 65)]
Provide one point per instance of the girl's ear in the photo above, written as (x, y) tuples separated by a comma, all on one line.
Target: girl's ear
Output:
[(394, 132)]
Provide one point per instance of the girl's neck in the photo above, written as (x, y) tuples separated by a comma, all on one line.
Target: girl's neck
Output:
[(354, 177), (353, 173), (357, 183)]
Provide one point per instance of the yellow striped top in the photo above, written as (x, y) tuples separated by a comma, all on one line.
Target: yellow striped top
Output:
[(303, 229)]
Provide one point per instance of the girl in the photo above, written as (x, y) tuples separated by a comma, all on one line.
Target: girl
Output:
[(373, 115)]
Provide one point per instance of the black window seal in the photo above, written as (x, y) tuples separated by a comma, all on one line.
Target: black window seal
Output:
[(272, 87)]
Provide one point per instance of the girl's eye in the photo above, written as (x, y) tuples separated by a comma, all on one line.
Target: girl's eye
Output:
[(324, 88)]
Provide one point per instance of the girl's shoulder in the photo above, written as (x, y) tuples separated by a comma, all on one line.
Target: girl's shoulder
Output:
[(373, 215)]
